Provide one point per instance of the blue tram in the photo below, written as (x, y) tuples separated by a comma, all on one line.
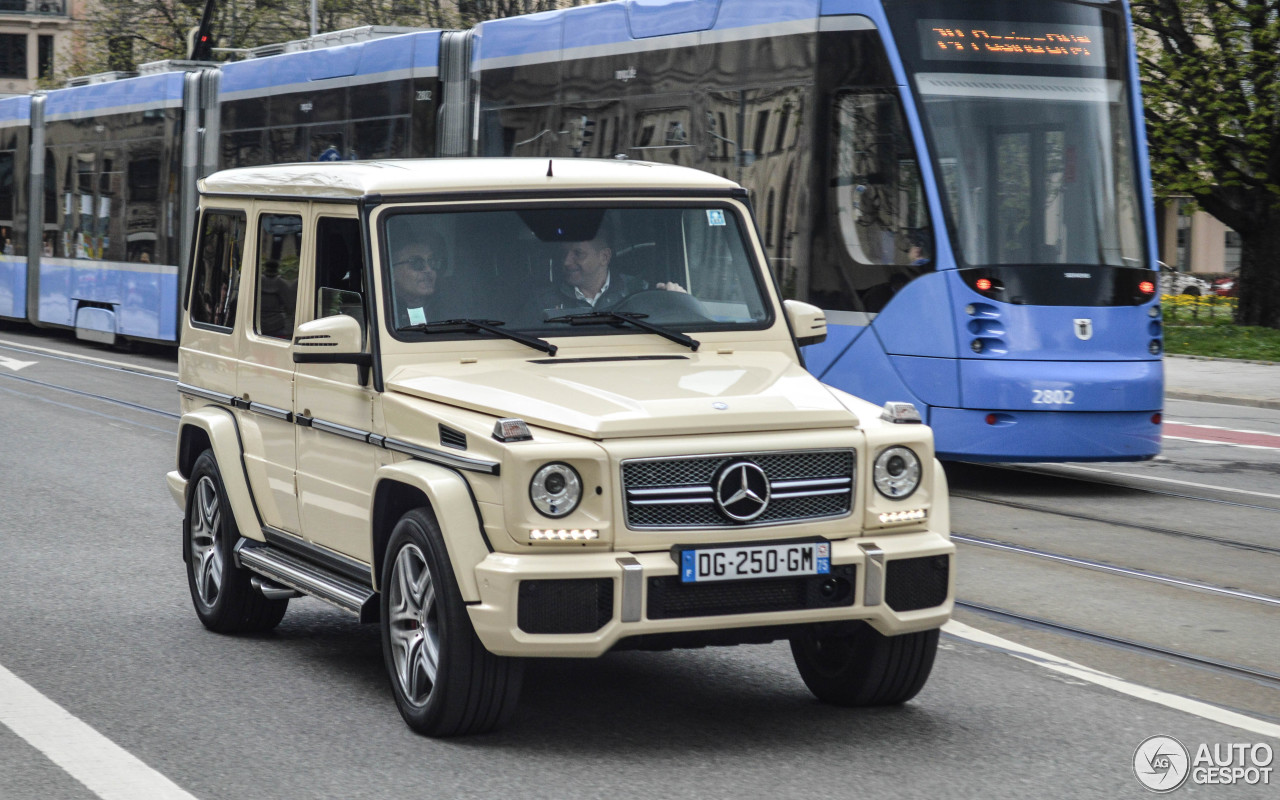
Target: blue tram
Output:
[(962, 186)]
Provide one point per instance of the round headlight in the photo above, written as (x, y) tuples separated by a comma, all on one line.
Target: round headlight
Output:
[(897, 472), (555, 489)]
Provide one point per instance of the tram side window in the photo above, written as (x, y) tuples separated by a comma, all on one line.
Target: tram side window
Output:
[(279, 252), (879, 197), (216, 279)]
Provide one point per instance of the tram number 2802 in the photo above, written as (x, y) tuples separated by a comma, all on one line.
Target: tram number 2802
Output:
[(1052, 397)]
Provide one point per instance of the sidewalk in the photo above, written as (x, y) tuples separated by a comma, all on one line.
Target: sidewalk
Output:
[(1222, 380)]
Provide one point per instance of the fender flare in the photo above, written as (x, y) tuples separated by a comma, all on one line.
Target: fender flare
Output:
[(456, 511), (223, 433), (941, 511)]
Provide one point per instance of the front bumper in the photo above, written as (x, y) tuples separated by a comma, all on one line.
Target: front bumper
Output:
[(496, 616)]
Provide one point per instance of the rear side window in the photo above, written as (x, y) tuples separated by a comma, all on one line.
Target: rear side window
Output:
[(279, 249), (216, 278)]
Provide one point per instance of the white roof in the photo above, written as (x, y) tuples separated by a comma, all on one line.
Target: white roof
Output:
[(354, 179)]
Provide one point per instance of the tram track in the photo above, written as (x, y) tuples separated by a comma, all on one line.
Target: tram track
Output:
[(1136, 483), (1264, 677), (1137, 526), (1098, 566)]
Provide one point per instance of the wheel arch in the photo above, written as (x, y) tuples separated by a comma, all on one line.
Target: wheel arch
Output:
[(447, 496), (215, 429)]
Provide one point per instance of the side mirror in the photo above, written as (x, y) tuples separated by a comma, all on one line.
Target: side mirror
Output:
[(332, 340), (808, 322)]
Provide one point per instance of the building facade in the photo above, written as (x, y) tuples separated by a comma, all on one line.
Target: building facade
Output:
[(35, 38)]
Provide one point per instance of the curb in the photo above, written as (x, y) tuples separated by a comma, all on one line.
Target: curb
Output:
[(1223, 360), (1226, 399)]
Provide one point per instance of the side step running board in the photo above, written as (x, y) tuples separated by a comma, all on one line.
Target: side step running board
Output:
[(289, 570)]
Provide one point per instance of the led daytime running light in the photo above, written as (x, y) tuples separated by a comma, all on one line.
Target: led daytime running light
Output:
[(562, 535), (903, 516)]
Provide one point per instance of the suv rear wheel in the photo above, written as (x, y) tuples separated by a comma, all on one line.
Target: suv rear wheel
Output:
[(864, 668), (224, 598), (445, 682)]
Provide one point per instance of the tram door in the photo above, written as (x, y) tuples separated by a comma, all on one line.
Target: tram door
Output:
[(1034, 169)]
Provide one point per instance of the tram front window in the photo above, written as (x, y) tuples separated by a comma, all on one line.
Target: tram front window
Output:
[(1028, 115)]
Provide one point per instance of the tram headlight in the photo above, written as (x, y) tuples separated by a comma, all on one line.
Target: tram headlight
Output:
[(897, 472), (555, 489)]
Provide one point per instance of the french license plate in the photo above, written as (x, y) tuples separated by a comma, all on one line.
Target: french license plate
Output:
[(755, 561)]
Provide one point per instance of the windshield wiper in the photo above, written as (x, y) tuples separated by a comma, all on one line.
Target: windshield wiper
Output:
[(623, 317), (487, 325)]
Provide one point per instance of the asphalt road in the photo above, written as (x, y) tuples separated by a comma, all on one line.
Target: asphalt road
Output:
[(97, 619)]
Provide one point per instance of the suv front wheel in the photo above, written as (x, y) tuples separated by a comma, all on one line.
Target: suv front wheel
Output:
[(445, 682), (864, 668)]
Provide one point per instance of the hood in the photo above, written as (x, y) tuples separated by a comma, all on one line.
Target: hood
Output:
[(609, 398)]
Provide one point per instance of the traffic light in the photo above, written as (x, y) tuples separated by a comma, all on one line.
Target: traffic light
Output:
[(200, 38), (583, 134)]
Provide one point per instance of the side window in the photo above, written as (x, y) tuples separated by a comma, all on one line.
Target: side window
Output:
[(279, 248), (879, 201), (215, 281), (340, 271)]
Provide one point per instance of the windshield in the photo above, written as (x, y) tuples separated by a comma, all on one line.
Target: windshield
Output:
[(527, 269), (1027, 110)]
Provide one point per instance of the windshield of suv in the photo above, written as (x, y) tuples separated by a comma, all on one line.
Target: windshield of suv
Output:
[(556, 271)]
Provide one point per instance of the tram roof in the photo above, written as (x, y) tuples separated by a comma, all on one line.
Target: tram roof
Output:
[(355, 179)]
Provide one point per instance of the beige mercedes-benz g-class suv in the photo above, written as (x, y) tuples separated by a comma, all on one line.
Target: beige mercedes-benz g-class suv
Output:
[(516, 408)]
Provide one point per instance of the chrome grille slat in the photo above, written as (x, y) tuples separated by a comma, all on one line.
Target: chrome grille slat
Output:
[(806, 485)]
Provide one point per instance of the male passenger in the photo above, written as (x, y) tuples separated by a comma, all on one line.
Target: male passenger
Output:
[(589, 281)]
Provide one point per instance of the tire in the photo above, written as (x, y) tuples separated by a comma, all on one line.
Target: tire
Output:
[(864, 668), (1192, 291), (445, 682), (225, 600)]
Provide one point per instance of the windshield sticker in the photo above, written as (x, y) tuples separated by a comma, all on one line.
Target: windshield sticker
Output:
[(417, 316), (715, 217)]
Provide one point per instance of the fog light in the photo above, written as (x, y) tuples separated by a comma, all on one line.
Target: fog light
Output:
[(563, 535), (914, 515), (1155, 347), (1154, 311), (976, 346)]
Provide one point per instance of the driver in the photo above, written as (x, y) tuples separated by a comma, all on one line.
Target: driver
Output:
[(589, 281)]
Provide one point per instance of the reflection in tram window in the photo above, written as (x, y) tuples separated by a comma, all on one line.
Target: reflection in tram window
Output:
[(879, 199)]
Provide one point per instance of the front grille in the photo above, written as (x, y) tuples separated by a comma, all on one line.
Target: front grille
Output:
[(669, 598), (679, 492), (915, 583), (565, 606)]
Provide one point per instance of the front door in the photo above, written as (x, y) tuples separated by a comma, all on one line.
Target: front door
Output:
[(335, 462)]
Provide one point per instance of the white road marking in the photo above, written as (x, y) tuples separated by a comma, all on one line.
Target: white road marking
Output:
[(1225, 444), (81, 357), (108, 770), (1167, 480), (1081, 672), (1218, 427), (14, 364)]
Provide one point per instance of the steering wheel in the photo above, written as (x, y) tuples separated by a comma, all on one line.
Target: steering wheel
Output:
[(663, 306)]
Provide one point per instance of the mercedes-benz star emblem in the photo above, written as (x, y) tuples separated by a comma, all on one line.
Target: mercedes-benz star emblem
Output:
[(742, 491)]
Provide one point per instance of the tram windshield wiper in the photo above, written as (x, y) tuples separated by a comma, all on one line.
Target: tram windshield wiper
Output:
[(480, 325), (620, 318)]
